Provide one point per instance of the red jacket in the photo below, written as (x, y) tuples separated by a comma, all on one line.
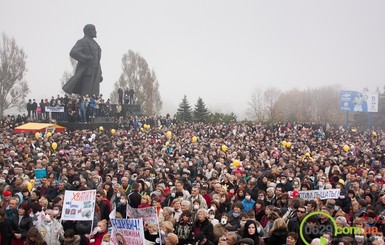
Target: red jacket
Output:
[(99, 238)]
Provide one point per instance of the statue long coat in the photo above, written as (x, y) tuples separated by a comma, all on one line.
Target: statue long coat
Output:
[(88, 74)]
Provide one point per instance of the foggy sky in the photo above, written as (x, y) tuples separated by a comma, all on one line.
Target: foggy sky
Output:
[(218, 50)]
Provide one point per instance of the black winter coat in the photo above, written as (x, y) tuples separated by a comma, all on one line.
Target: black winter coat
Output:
[(23, 227)]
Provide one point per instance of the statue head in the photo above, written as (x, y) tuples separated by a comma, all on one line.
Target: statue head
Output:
[(89, 30)]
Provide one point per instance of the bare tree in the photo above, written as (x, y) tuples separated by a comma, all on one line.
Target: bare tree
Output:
[(271, 96), (13, 87), (256, 105), (262, 104), (310, 105), (137, 76), (325, 104)]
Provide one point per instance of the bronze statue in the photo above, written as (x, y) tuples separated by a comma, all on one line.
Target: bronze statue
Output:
[(88, 74)]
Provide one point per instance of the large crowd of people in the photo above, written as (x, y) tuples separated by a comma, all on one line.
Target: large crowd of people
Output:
[(210, 184)]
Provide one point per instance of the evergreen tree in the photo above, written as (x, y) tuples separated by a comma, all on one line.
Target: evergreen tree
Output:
[(184, 113), (218, 117), (201, 113)]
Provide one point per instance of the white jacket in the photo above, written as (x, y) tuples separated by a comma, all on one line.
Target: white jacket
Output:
[(51, 232)]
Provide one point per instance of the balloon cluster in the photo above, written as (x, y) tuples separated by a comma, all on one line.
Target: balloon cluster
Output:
[(286, 144)]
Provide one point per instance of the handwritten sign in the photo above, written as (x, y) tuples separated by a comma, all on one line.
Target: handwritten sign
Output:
[(322, 194), (127, 231), (79, 205), (147, 214)]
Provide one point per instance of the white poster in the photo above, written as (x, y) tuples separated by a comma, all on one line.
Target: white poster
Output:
[(371, 99), (147, 214), (79, 205), (322, 194), (54, 109), (127, 231)]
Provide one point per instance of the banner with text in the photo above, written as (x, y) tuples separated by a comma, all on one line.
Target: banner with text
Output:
[(322, 194), (359, 101), (147, 214), (54, 109), (127, 231), (79, 205)]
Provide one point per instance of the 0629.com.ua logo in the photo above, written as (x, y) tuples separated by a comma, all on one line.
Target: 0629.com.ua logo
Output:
[(316, 224)]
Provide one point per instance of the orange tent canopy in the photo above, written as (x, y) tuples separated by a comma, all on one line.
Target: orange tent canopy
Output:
[(37, 127)]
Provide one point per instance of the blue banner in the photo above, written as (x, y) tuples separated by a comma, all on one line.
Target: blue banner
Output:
[(353, 101)]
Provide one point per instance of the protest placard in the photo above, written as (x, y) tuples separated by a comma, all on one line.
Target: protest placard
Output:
[(322, 194), (148, 214), (79, 205), (127, 231), (40, 173)]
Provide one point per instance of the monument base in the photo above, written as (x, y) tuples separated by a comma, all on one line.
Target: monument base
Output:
[(131, 110), (107, 125)]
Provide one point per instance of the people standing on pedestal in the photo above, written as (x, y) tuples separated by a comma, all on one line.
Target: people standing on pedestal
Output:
[(126, 97), (131, 97), (120, 96)]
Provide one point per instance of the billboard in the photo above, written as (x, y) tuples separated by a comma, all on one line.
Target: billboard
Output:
[(359, 101)]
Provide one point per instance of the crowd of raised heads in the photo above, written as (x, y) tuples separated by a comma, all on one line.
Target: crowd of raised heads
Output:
[(211, 184)]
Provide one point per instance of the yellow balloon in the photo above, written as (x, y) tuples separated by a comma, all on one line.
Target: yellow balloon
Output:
[(235, 163), (167, 143), (29, 186), (48, 134), (54, 145), (307, 154), (145, 126), (168, 134), (284, 143), (113, 131), (37, 135), (224, 148), (346, 148), (148, 126), (101, 128), (194, 139), (288, 144)]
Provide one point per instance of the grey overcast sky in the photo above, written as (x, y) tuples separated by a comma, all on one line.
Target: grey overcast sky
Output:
[(218, 50)]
